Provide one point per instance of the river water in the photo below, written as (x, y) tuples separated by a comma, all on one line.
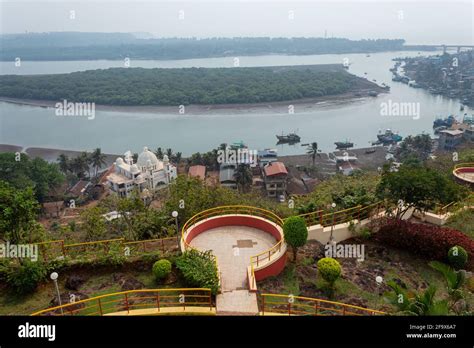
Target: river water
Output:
[(117, 132)]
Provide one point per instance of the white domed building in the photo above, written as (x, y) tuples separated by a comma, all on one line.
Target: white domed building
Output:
[(145, 176)]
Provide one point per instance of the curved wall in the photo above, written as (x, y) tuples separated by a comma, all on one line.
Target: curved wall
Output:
[(267, 269)]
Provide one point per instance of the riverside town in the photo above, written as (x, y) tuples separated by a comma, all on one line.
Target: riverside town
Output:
[(197, 167)]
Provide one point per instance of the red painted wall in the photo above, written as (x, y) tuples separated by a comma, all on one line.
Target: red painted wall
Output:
[(272, 270), (229, 220)]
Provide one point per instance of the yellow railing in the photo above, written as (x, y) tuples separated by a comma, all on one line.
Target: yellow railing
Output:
[(297, 305), (136, 302), (342, 216), (464, 165), (94, 249)]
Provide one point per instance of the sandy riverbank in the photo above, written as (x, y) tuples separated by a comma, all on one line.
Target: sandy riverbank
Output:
[(300, 105), (49, 154), (368, 161)]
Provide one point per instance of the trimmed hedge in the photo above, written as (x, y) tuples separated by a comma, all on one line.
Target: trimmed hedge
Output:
[(330, 269), (161, 269), (432, 242)]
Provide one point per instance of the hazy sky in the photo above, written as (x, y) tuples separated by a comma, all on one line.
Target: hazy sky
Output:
[(419, 22)]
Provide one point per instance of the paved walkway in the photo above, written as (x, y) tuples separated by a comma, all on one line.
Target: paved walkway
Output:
[(233, 246)]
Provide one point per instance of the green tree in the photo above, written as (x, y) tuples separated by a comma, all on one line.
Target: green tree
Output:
[(243, 177), (417, 187), (454, 280), (295, 232), (21, 172), (159, 153), (64, 163), (313, 151), (93, 223), (18, 211), (98, 160)]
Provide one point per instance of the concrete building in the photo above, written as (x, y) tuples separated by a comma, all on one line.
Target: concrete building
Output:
[(449, 139), (226, 175), (275, 177)]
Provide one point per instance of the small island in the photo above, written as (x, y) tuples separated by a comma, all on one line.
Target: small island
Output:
[(191, 86)]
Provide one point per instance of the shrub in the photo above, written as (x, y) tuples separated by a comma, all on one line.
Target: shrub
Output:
[(457, 257), (430, 241), (199, 269), (161, 269), (24, 278), (329, 269), (295, 232)]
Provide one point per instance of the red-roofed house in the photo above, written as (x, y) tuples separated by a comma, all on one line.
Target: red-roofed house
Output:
[(197, 171), (275, 177)]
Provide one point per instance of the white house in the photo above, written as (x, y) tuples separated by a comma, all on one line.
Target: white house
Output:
[(145, 176)]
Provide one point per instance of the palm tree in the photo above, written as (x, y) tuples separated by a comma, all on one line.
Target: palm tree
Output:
[(64, 163), (97, 159), (243, 176), (159, 153), (177, 157), (169, 153), (454, 280), (79, 165), (313, 151)]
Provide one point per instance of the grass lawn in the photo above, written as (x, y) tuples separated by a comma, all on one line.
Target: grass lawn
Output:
[(357, 285), (98, 282), (463, 221)]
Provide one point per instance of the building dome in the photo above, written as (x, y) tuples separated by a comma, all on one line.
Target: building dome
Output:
[(119, 161), (146, 156), (134, 169)]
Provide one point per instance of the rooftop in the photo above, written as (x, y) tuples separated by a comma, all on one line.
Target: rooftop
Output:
[(197, 171), (275, 168)]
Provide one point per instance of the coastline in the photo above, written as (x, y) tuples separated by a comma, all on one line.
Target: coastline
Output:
[(278, 107)]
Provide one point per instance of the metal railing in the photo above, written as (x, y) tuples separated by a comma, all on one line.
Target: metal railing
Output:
[(175, 301), (359, 212), (297, 305)]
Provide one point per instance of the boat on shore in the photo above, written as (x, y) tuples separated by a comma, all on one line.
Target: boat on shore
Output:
[(446, 122), (292, 138), (387, 138), (343, 144)]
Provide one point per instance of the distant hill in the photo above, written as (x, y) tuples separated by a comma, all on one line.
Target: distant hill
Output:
[(117, 46), (138, 86)]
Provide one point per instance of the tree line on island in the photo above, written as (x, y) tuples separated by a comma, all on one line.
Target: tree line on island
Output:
[(137, 86), (118, 46)]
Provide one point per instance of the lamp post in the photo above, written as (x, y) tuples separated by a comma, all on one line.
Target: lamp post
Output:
[(54, 277), (175, 215), (331, 238)]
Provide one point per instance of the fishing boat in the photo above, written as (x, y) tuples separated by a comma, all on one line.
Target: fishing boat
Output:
[(292, 138), (343, 145), (388, 137), (447, 122)]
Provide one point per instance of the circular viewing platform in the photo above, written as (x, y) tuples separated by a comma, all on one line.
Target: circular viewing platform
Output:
[(464, 173), (242, 239)]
